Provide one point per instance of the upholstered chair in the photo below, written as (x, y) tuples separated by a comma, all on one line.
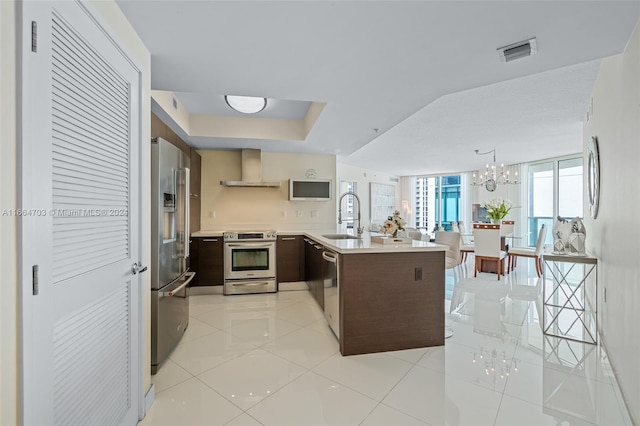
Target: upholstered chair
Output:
[(466, 245), (452, 255), (507, 227), (532, 252), (487, 242)]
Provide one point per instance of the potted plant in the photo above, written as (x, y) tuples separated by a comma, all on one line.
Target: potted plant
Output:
[(497, 209), (393, 224)]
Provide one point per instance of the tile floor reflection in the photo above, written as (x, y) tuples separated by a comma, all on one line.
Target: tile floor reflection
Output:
[(271, 360)]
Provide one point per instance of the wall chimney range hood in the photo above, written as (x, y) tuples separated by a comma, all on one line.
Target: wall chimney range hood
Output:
[(251, 172)]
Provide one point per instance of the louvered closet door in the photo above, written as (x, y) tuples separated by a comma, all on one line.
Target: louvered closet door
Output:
[(81, 135)]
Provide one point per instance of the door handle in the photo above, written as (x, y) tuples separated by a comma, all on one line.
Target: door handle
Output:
[(250, 245), (330, 257), (188, 277), (137, 268), (261, 283)]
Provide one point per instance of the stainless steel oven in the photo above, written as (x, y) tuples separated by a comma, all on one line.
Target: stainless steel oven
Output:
[(250, 262)]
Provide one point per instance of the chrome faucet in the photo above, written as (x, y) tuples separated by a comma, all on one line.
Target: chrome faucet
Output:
[(359, 229)]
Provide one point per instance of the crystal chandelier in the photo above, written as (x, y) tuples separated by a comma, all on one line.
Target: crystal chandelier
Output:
[(491, 177)]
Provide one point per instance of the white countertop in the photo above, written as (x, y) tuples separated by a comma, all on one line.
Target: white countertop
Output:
[(207, 234), (364, 244), (348, 246)]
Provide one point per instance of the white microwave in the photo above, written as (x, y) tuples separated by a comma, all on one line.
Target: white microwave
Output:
[(310, 189)]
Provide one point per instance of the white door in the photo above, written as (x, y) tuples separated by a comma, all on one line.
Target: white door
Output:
[(80, 220)]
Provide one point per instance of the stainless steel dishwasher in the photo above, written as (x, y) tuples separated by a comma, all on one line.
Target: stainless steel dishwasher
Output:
[(331, 278)]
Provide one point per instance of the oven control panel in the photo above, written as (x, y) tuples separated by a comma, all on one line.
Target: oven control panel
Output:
[(250, 235)]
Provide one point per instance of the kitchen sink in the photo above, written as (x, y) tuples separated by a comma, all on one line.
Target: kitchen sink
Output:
[(341, 237)]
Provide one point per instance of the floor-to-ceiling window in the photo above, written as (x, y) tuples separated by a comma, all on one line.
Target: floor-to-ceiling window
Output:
[(555, 189), (438, 202)]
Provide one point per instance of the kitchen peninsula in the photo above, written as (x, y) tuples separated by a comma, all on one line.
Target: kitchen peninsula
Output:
[(389, 297)]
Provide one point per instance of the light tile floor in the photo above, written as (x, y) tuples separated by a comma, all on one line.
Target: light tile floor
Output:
[(270, 359)]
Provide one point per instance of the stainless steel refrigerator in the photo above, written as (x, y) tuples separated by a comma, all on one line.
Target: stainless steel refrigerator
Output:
[(170, 249)]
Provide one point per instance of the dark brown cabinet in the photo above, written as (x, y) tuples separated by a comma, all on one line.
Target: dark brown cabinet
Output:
[(196, 167), (207, 261), (314, 269), (161, 130), (192, 261), (290, 258), (194, 189)]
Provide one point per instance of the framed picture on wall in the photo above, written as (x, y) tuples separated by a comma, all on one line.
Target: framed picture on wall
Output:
[(382, 202)]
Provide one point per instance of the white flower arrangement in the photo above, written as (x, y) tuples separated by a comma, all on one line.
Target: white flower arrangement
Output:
[(497, 208), (393, 224)]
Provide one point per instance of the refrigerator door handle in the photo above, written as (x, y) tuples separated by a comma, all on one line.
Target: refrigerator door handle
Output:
[(187, 212), (181, 179)]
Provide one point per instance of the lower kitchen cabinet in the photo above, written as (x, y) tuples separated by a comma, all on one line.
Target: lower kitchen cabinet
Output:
[(207, 261), (192, 260), (290, 258)]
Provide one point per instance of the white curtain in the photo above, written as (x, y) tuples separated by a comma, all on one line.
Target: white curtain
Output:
[(466, 199), (408, 199)]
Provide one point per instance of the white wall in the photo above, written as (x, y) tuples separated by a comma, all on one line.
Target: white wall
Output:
[(240, 208), (614, 237), (109, 14), (364, 177)]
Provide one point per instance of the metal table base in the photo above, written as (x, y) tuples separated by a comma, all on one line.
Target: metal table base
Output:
[(570, 297)]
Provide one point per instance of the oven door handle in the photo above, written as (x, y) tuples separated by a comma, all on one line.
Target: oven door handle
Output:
[(253, 245), (256, 284), (189, 276)]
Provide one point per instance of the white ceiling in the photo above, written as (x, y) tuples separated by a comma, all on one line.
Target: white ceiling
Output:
[(425, 73)]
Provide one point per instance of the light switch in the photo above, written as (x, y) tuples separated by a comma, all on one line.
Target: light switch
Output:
[(212, 214), (300, 213), (315, 213)]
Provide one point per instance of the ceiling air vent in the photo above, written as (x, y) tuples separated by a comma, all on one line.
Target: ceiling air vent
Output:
[(518, 50)]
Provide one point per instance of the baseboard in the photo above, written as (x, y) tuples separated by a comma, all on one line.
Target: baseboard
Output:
[(149, 398), (297, 285), (205, 289)]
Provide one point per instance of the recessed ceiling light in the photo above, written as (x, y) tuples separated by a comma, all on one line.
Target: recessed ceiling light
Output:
[(246, 104)]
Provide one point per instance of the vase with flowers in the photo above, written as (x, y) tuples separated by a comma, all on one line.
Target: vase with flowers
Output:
[(393, 224), (497, 209)]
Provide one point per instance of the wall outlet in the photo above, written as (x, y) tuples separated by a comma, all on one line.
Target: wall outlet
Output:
[(212, 214), (300, 213), (283, 213), (315, 213)]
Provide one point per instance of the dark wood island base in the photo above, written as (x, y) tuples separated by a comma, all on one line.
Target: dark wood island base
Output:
[(391, 301)]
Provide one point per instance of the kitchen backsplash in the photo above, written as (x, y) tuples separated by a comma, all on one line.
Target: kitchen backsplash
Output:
[(237, 208)]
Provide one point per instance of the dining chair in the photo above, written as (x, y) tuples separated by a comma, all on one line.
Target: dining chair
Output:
[(452, 240), (487, 243), (451, 260), (415, 235), (533, 252), (466, 245), (507, 227)]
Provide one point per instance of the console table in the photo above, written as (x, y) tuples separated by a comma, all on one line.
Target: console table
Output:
[(570, 297)]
